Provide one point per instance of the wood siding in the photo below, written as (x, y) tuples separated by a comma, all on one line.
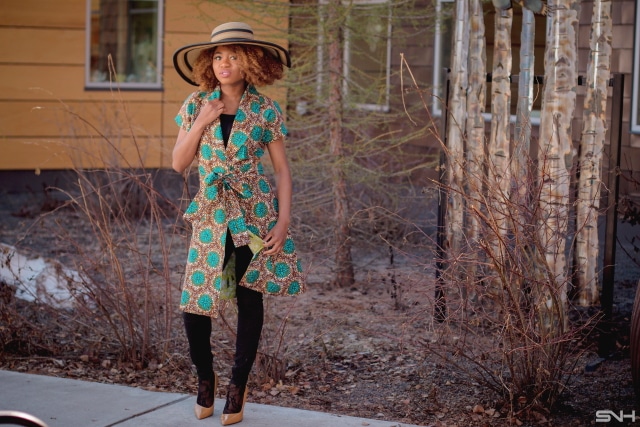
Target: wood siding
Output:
[(48, 120)]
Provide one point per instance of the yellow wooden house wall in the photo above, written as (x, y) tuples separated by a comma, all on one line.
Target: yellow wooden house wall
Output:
[(48, 120), (47, 115)]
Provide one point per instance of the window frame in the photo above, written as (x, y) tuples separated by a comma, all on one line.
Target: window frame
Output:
[(438, 68), (109, 84), (635, 94), (385, 107), (347, 52)]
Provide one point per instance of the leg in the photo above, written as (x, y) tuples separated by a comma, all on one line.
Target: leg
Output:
[(250, 320), (198, 329)]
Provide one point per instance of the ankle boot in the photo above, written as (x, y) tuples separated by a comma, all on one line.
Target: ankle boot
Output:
[(206, 396), (233, 411)]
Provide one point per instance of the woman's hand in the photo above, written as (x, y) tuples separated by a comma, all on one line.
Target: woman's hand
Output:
[(210, 111), (274, 240), (187, 142)]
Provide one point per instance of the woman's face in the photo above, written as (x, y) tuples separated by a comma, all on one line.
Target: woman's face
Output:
[(226, 66)]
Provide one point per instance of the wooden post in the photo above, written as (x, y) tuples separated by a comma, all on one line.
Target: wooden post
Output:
[(607, 341), (440, 301)]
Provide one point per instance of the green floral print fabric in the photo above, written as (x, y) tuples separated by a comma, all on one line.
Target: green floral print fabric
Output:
[(234, 193)]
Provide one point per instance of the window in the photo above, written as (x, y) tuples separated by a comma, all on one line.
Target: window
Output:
[(367, 54), (635, 100), (129, 32), (442, 49)]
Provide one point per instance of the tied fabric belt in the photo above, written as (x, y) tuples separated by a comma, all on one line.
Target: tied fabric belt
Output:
[(228, 181), (231, 188)]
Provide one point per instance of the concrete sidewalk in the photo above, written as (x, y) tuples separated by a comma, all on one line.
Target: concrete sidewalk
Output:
[(62, 402)]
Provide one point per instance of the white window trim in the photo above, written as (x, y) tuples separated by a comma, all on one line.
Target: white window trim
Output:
[(438, 78), (124, 85), (345, 71), (635, 121)]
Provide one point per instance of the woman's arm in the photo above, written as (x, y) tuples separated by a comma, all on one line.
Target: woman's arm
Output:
[(187, 142), (274, 240)]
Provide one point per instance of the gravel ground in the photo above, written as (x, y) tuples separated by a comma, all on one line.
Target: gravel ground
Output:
[(366, 351)]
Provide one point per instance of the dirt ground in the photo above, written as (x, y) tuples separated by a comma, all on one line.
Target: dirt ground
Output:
[(363, 351)]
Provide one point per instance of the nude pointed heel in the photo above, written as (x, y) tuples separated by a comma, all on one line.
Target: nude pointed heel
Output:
[(202, 411), (228, 419)]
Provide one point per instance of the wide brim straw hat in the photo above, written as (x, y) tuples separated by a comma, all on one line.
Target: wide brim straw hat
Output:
[(224, 34)]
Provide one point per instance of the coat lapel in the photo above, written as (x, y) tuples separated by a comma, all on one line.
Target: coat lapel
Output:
[(236, 148)]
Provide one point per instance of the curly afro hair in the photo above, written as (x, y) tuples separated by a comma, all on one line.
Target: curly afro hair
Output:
[(260, 67)]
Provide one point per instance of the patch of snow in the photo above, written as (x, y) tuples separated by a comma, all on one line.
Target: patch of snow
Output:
[(39, 279)]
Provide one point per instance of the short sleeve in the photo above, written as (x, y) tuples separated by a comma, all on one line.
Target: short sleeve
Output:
[(187, 113), (274, 126)]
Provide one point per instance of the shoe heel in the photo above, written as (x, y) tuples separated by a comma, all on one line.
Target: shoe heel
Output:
[(228, 419), (204, 412)]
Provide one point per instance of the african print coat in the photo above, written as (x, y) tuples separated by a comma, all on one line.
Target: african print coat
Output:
[(234, 193)]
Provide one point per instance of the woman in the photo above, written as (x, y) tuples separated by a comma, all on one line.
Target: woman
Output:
[(240, 227)]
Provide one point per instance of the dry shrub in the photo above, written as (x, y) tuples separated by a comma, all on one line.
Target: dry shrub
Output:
[(503, 315), (506, 321), (128, 284), (120, 228)]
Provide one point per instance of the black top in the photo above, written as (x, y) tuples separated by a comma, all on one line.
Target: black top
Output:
[(226, 122)]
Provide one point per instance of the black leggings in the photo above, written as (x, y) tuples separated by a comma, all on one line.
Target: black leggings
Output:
[(250, 320)]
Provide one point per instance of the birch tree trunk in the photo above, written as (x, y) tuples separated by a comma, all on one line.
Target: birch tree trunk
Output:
[(555, 157), (521, 195), (591, 149), (499, 177), (456, 135), (522, 134), (344, 263), (475, 126)]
